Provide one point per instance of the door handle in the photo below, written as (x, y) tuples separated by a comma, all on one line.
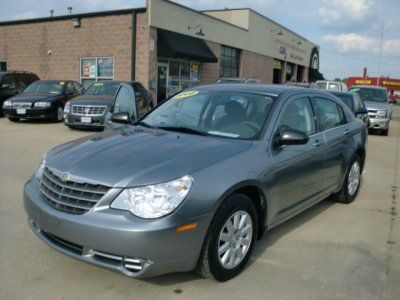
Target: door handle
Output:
[(317, 143), (346, 131)]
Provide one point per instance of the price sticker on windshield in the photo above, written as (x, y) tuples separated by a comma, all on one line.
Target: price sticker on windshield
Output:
[(185, 94), (98, 84), (62, 83), (354, 90)]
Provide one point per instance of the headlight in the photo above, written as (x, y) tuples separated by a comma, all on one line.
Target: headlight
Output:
[(154, 201), (382, 112), (42, 104), (7, 104), (66, 108), (42, 165)]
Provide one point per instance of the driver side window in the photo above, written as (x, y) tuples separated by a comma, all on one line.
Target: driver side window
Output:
[(299, 115), (124, 102)]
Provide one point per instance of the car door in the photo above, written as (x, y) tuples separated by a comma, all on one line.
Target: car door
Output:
[(70, 91), (337, 131), (297, 174)]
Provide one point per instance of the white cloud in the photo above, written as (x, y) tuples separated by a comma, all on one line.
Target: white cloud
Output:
[(352, 42), (342, 14)]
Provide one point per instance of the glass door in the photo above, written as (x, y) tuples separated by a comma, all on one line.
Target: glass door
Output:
[(162, 74)]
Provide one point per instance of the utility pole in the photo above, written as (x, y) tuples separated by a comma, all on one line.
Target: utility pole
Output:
[(380, 52)]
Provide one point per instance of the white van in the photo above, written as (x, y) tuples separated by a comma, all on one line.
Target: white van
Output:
[(331, 85)]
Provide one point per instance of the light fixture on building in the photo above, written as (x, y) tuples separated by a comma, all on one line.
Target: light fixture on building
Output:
[(69, 8), (51, 13), (298, 42), (76, 22), (277, 31), (199, 31)]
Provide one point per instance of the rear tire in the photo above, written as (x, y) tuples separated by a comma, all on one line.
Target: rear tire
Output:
[(12, 119), (230, 239), (351, 184), (59, 114)]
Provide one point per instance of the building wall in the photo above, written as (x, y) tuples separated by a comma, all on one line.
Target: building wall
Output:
[(25, 46), (256, 66), (209, 72)]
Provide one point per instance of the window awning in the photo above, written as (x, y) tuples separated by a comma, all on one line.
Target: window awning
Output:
[(175, 45)]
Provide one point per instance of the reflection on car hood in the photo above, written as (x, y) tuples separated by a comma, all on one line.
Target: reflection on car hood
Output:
[(33, 97), (376, 105), (92, 100), (132, 156)]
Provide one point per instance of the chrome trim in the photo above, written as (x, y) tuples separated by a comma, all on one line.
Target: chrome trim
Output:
[(21, 104), (88, 110)]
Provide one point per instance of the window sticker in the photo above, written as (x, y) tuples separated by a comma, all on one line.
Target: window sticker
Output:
[(98, 84), (185, 94), (354, 90), (61, 83)]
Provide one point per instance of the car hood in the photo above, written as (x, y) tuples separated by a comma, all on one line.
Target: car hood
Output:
[(92, 100), (133, 156), (376, 105), (33, 97)]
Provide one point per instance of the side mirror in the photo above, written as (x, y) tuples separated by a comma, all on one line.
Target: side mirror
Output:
[(361, 111), (292, 137), (121, 117)]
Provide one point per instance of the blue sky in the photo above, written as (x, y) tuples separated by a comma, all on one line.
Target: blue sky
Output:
[(347, 31)]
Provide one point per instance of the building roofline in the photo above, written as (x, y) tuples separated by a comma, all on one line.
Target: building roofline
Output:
[(81, 15), (261, 15)]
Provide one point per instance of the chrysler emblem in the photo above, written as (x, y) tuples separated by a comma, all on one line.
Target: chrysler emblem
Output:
[(64, 177)]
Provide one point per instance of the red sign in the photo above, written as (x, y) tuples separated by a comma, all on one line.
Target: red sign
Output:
[(389, 83)]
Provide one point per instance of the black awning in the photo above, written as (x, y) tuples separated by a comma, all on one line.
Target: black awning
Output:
[(175, 45), (314, 75)]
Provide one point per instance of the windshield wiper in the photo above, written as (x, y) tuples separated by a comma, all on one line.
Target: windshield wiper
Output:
[(183, 129)]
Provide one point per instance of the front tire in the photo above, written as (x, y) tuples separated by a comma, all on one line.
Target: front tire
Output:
[(12, 119), (230, 239), (385, 132), (351, 184)]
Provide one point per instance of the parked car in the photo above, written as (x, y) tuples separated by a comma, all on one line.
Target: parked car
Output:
[(356, 105), (331, 85), (377, 103), (43, 99), (92, 109), (195, 182), (12, 83), (239, 80)]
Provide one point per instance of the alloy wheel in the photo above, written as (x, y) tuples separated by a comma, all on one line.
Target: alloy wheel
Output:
[(354, 178)]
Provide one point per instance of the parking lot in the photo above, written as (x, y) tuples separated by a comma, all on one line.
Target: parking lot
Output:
[(331, 251)]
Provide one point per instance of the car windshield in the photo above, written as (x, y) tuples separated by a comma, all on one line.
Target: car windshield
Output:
[(321, 85), (348, 100), (370, 94), (217, 113), (49, 87), (103, 89)]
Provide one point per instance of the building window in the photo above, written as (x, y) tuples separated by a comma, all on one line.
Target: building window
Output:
[(229, 65), (3, 65), (96, 69)]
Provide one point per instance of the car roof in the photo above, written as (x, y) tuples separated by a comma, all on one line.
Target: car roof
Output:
[(271, 89), (340, 93), (368, 86)]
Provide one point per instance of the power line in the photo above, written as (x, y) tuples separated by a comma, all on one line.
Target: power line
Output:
[(358, 58)]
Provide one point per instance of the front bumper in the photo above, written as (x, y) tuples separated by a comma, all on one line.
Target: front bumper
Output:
[(375, 123), (76, 121), (31, 113), (116, 239)]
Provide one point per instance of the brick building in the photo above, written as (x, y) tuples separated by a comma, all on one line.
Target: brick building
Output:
[(164, 45)]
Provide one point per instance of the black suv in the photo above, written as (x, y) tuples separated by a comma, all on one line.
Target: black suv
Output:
[(43, 99), (12, 83)]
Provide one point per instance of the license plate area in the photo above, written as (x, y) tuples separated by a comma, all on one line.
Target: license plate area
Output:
[(86, 120), (21, 111)]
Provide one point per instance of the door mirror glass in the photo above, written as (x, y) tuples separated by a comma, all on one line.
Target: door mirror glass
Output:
[(121, 117), (361, 111), (291, 136)]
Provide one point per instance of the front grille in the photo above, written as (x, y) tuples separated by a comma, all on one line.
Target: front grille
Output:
[(72, 197), (372, 111), (130, 264), (22, 104), (88, 110)]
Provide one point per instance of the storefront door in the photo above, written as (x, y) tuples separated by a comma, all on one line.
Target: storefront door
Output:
[(162, 74)]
